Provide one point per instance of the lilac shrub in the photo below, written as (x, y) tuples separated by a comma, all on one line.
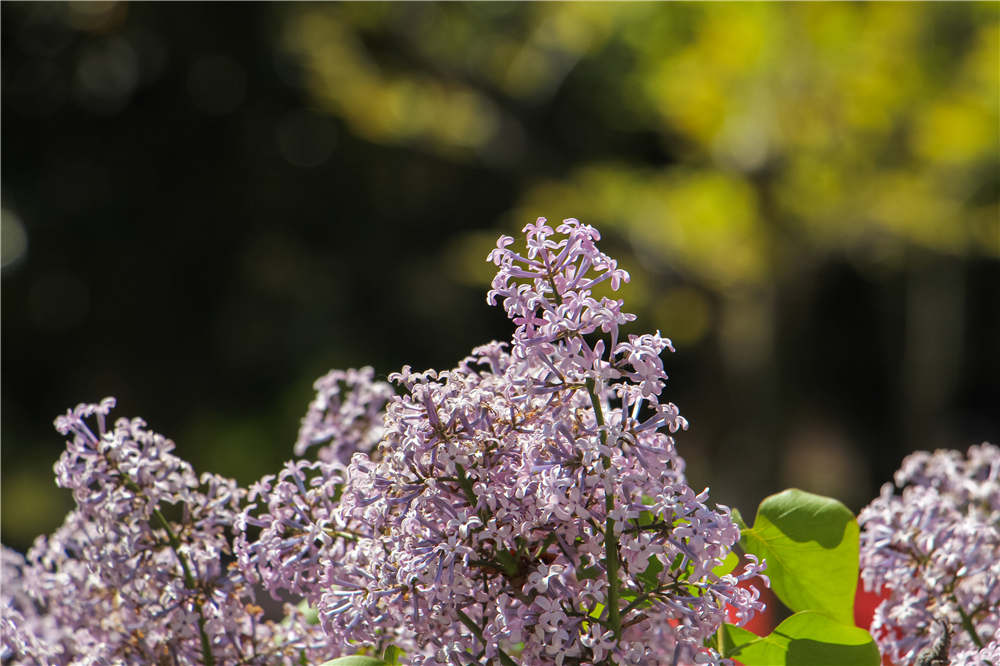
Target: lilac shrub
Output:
[(935, 547), (527, 506), (120, 582), (300, 533), (530, 503)]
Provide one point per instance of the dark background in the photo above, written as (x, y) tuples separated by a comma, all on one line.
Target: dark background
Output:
[(206, 206)]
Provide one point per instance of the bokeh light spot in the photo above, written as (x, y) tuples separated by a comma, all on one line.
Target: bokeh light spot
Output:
[(107, 75), (13, 238)]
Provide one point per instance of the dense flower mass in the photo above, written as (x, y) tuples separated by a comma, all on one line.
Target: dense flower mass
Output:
[(138, 572), (345, 416), (527, 506), (529, 503), (300, 532), (935, 546)]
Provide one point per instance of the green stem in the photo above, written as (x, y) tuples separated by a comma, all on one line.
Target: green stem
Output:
[(189, 582), (636, 602), (466, 484), (611, 562), (478, 633), (968, 626), (340, 534), (175, 544)]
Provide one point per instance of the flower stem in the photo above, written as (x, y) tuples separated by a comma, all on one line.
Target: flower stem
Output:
[(611, 562), (189, 582), (466, 484), (175, 544), (478, 633), (968, 626)]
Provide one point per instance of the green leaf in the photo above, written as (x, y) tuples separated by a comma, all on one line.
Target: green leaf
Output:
[(738, 518), (509, 562), (355, 660), (735, 638), (676, 564), (310, 614), (810, 543), (392, 655), (728, 564), (650, 576), (809, 638)]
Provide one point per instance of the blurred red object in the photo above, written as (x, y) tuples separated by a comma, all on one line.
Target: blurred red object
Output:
[(865, 603), (763, 623)]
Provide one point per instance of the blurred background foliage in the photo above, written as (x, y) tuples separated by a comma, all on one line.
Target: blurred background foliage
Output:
[(205, 206)]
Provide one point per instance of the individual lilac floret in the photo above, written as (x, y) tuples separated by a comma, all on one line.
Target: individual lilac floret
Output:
[(346, 415), (935, 548), (138, 572), (530, 504)]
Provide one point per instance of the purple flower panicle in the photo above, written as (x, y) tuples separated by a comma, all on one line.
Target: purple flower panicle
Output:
[(530, 501), (138, 573), (933, 542), (345, 416), (528, 505)]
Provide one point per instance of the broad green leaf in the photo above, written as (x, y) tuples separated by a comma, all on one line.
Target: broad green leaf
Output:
[(676, 564), (355, 660), (735, 638), (810, 543), (809, 638), (630, 597)]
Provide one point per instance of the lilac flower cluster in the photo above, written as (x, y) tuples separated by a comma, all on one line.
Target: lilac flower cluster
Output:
[(528, 504), (935, 548), (25, 630), (300, 533), (345, 416), (120, 581)]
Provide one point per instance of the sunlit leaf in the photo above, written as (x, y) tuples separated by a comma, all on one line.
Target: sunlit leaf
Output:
[(355, 660), (809, 638), (811, 547)]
